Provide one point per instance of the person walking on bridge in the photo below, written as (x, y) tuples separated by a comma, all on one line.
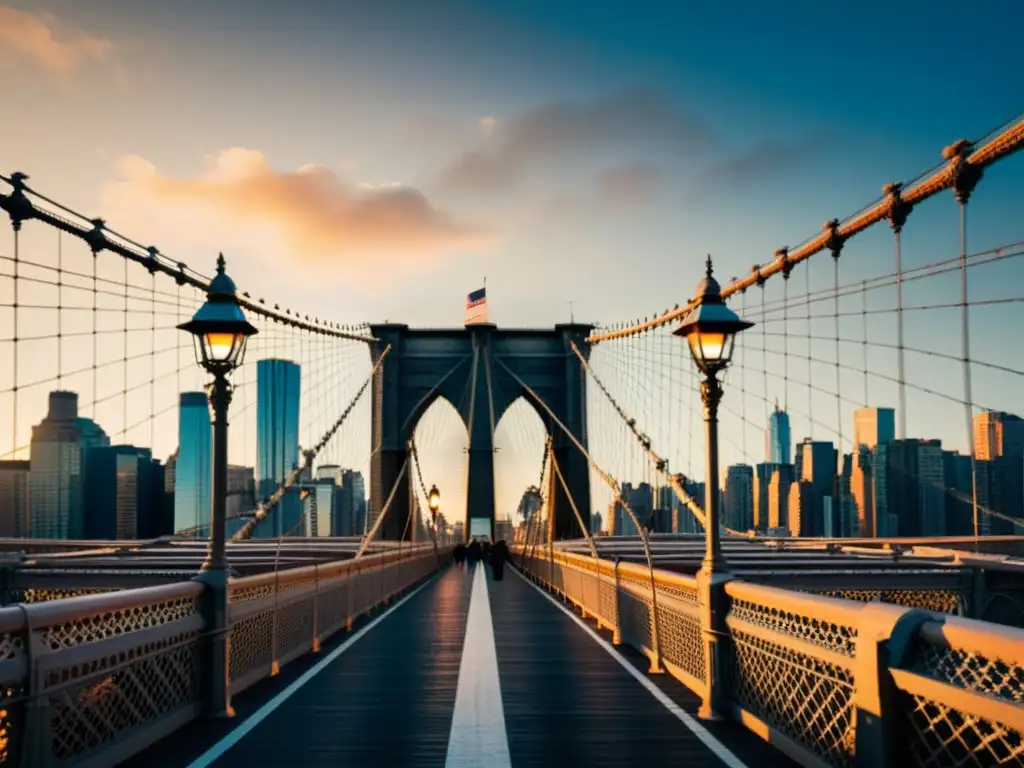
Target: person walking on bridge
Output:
[(459, 555), (472, 554), (499, 554)]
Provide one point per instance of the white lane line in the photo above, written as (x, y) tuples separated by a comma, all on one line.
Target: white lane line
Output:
[(478, 736), (718, 748), (217, 751)]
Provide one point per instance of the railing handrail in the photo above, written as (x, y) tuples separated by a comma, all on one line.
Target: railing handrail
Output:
[(55, 612), (832, 609), (994, 641), (326, 570)]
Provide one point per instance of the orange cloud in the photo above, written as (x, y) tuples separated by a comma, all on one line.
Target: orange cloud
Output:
[(317, 216), (27, 37)]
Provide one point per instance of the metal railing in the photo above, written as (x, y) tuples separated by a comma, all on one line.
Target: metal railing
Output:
[(828, 681), (92, 680)]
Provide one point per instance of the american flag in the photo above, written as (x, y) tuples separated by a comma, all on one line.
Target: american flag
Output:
[(476, 306)]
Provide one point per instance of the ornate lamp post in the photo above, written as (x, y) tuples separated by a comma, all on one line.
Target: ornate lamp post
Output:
[(219, 331), (711, 328)]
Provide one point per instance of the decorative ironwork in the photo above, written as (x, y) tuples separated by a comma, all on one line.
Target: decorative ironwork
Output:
[(938, 600), (805, 698), (98, 702), (45, 594), (943, 736), (968, 670), (99, 627), (245, 594), (251, 645), (682, 643), (834, 637)]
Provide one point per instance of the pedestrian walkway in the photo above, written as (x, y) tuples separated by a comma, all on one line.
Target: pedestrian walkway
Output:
[(463, 672)]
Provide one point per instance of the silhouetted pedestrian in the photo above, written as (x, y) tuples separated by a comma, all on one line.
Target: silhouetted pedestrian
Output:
[(499, 554), (472, 554), (459, 555)]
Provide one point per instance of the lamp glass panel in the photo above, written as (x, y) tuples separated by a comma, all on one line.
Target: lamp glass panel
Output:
[(730, 343), (220, 346), (712, 347)]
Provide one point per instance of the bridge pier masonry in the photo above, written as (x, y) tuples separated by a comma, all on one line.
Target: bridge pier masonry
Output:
[(481, 370), (481, 423)]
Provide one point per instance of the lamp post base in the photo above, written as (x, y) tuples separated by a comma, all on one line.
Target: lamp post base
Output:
[(714, 606), (217, 655)]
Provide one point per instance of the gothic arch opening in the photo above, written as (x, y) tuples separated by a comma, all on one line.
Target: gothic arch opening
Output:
[(519, 441), (441, 442)]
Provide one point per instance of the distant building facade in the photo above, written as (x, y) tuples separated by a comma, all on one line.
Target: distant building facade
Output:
[(58, 467), (193, 471), (14, 498), (278, 391)]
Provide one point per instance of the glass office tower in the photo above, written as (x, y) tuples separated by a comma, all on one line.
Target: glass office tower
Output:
[(193, 471), (778, 437), (278, 387)]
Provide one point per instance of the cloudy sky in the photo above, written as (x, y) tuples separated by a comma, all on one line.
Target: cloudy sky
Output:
[(372, 160)]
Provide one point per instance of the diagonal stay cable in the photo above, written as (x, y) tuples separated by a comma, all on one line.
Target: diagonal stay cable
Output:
[(426, 495), (383, 513), (247, 530), (660, 464)]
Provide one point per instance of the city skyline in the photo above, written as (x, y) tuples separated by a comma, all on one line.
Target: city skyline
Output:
[(997, 432)]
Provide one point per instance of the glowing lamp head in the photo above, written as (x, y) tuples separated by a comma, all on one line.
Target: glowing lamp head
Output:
[(219, 328), (710, 327), (434, 501)]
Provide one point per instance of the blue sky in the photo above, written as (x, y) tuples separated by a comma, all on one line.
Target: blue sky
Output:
[(592, 152)]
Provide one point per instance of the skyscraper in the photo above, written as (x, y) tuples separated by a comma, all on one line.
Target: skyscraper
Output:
[(872, 426), (862, 491), (193, 472), (739, 497), (59, 458), (898, 488), (124, 493), (278, 388), (805, 510), (818, 465), (782, 478), (999, 449), (349, 517), (778, 437), (931, 474), (762, 480), (14, 481), (959, 490), (241, 491), (997, 433)]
